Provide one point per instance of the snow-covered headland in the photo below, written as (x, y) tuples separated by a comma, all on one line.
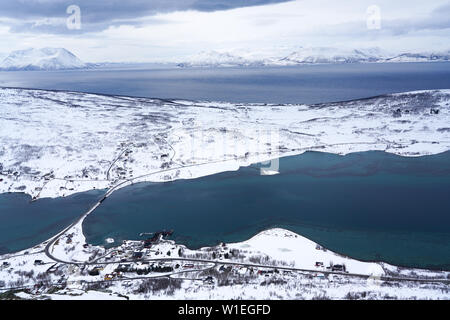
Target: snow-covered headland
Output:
[(55, 144), (274, 264)]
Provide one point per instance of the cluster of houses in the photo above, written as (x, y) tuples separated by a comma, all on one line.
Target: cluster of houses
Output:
[(331, 267)]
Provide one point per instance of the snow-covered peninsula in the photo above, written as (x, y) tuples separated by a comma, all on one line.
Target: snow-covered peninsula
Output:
[(58, 143), (274, 264)]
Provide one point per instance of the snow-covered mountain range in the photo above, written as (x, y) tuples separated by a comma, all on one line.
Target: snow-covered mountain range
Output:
[(311, 55), (62, 59), (41, 59), (219, 59)]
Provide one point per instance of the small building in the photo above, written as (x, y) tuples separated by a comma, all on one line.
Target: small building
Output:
[(38, 262), (138, 254), (123, 268), (338, 268), (109, 277), (94, 272), (319, 264), (208, 280), (242, 271)]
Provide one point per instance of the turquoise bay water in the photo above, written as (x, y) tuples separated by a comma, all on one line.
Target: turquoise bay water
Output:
[(24, 224), (371, 206)]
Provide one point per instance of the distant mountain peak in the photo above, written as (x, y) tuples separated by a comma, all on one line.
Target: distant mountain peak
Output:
[(41, 59), (217, 59)]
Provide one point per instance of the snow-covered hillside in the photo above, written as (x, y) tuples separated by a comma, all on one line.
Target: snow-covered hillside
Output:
[(218, 59), (41, 59), (420, 57), (59, 143), (311, 55), (331, 55)]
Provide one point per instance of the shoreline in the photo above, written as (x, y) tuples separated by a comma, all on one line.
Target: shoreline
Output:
[(76, 157), (275, 246), (139, 180)]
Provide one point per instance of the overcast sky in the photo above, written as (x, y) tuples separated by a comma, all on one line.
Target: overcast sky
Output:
[(156, 30)]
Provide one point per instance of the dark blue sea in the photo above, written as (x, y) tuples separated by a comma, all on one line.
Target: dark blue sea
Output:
[(301, 84)]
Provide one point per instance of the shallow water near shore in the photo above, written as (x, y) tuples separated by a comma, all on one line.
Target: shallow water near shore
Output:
[(24, 224), (369, 205)]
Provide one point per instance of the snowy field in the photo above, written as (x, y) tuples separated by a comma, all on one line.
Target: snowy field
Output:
[(58, 143)]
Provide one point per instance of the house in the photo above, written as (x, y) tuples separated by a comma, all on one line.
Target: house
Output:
[(209, 280), (338, 268), (109, 277), (138, 254), (319, 264), (225, 269), (242, 271), (123, 268), (94, 272), (434, 111)]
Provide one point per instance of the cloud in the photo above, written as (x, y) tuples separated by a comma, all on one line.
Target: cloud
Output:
[(438, 19), (49, 16), (175, 29)]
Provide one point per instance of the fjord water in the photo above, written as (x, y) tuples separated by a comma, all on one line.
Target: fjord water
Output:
[(299, 84), (370, 206), (24, 224)]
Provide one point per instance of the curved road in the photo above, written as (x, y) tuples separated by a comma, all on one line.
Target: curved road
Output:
[(51, 241)]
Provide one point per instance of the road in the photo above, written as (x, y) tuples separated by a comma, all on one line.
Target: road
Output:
[(117, 187), (122, 184)]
